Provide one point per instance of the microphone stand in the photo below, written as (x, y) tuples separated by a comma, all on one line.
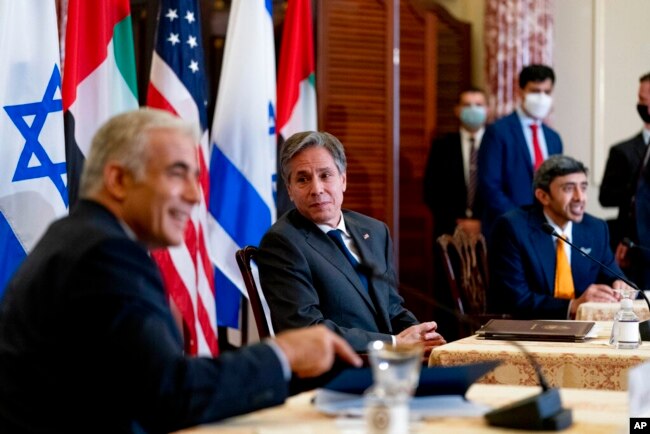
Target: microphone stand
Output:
[(542, 411), (644, 326), (632, 245)]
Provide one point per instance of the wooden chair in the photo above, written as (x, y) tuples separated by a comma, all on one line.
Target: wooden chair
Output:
[(465, 262), (258, 303)]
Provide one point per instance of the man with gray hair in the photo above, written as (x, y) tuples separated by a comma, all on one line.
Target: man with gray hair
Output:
[(320, 264), (534, 275), (87, 339)]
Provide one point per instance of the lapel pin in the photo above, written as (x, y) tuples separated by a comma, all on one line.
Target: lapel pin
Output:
[(586, 250), (366, 236)]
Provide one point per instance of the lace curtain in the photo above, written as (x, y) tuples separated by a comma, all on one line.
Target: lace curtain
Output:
[(517, 33), (62, 14)]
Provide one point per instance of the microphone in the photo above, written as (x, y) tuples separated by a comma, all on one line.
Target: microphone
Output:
[(632, 245), (543, 411), (644, 326)]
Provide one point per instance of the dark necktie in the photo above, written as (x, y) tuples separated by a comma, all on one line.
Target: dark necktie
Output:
[(639, 176), (644, 162), (473, 177), (537, 148), (337, 237)]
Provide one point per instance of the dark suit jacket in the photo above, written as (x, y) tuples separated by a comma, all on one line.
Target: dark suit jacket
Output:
[(504, 167), (88, 343), (307, 280), (445, 190), (522, 264), (643, 227), (620, 183)]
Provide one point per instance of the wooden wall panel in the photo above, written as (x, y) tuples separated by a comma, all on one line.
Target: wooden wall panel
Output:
[(417, 119), (435, 56), (453, 62), (354, 79)]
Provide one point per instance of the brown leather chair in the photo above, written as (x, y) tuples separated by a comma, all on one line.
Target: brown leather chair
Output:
[(465, 262), (259, 307)]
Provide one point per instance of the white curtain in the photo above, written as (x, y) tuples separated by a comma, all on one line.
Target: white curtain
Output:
[(517, 33)]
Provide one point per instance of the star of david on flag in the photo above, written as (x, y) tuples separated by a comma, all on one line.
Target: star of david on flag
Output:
[(34, 161), (33, 180), (243, 153)]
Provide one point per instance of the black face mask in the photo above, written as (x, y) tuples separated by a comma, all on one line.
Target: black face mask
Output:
[(643, 112)]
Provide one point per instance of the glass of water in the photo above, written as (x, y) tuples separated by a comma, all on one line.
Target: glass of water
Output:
[(396, 373), (395, 369)]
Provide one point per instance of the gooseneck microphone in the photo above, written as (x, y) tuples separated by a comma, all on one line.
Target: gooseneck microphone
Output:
[(632, 245), (546, 227), (644, 326), (543, 411)]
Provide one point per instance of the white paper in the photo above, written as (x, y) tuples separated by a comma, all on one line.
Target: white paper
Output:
[(595, 331), (421, 407)]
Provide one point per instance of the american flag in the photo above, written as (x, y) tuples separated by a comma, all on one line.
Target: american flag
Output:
[(178, 85)]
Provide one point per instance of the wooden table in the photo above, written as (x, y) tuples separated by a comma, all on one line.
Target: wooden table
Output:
[(592, 311), (592, 364), (594, 412)]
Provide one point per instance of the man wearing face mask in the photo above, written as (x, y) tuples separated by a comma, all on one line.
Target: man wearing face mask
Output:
[(450, 179), (622, 176), (516, 145), (450, 189)]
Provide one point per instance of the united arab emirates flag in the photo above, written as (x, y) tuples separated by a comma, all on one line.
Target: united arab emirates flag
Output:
[(296, 105), (99, 79)]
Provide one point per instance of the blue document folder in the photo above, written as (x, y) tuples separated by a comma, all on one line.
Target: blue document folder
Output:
[(436, 380)]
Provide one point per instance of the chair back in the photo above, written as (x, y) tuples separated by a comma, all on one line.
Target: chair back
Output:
[(245, 257), (464, 258)]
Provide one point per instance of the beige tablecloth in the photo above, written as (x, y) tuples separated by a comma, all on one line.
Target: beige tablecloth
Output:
[(594, 412), (592, 311), (592, 364)]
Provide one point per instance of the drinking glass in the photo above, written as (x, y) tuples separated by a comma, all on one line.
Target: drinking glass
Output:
[(396, 373), (395, 369)]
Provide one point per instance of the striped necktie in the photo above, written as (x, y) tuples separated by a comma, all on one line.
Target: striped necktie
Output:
[(473, 177)]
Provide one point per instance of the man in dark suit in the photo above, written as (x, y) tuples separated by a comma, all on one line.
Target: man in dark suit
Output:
[(451, 175), (622, 175), (450, 191), (516, 145), (642, 204), (321, 265), (535, 275), (87, 339)]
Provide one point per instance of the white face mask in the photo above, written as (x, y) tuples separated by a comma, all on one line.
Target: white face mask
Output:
[(538, 105)]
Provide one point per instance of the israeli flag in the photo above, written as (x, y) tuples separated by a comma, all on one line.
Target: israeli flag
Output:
[(33, 181), (243, 148)]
